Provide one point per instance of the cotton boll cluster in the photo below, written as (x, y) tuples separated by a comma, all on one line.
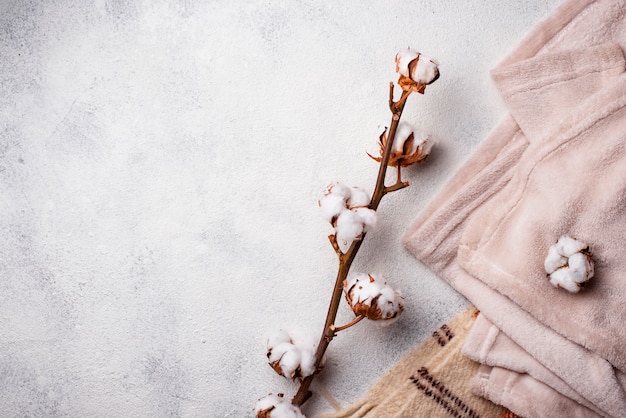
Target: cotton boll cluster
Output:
[(346, 210), (276, 406), (374, 298), (416, 70), (408, 148), (569, 264), (291, 354)]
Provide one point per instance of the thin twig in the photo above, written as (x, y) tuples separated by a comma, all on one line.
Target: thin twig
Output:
[(349, 324)]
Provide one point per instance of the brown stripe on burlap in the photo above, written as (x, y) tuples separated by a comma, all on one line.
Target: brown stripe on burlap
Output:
[(443, 335), (442, 395)]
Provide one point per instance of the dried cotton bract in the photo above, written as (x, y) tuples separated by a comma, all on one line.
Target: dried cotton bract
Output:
[(408, 147), (569, 264), (291, 355), (346, 210), (276, 406), (416, 71), (374, 298)]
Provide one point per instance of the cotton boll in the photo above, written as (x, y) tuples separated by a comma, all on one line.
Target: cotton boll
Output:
[(568, 264), (292, 354), (409, 147), (276, 406), (373, 297), (358, 198), (416, 70)]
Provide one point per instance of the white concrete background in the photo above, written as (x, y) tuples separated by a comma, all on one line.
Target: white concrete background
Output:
[(160, 163)]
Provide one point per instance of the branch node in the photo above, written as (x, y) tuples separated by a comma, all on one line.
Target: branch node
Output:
[(395, 187)]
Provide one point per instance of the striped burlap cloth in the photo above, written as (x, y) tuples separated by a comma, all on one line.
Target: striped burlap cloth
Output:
[(432, 381)]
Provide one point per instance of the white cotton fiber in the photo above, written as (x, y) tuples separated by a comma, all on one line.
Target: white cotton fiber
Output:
[(348, 228), (368, 217), (425, 71), (331, 206), (358, 198), (277, 406), (569, 264), (403, 59)]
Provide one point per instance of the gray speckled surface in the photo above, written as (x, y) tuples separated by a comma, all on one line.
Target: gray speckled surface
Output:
[(160, 163)]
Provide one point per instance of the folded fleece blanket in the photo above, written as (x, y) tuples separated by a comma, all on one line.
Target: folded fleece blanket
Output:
[(556, 165)]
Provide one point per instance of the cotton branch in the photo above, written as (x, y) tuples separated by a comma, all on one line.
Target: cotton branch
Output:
[(346, 259), (352, 215)]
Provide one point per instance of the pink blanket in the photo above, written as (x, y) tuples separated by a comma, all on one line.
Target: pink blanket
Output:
[(556, 165)]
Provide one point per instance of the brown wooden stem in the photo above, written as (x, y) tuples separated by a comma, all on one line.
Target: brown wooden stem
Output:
[(346, 259)]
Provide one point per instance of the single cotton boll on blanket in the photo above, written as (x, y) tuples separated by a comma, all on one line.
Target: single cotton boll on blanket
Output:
[(276, 406), (568, 264)]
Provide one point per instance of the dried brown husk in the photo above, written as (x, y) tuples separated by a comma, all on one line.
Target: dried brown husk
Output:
[(266, 413), (402, 158), (408, 84)]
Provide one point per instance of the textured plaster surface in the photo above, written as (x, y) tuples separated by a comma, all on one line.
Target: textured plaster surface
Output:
[(160, 163)]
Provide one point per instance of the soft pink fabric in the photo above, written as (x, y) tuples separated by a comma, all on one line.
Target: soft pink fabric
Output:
[(557, 165), (523, 395), (489, 346)]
